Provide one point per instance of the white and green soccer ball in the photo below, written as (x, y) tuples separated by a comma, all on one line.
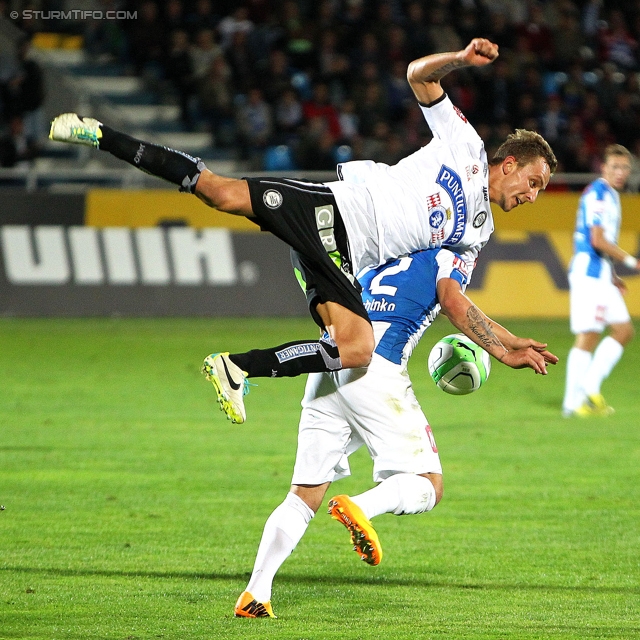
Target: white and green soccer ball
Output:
[(458, 365)]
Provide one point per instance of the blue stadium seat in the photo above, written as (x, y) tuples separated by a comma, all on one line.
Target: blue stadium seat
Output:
[(279, 158), (343, 153)]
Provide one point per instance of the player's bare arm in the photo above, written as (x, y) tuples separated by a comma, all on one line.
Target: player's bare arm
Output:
[(471, 321), (512, 342), (620, 283), (602, 245), (424, 74)]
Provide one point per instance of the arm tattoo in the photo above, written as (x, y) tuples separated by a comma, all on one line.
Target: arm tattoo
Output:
[(482, 328), (437, 74)]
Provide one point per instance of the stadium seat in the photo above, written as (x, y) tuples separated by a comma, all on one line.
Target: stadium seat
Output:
[(343, 153), (279, 158)]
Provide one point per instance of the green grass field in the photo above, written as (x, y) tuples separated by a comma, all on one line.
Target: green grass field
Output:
[(134, 509)]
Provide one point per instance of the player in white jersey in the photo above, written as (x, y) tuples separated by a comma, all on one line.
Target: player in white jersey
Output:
[(439, 195), (596, 289), (377, 408)]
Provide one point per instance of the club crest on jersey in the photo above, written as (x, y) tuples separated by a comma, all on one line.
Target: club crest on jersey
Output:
[(478, 221), (437, 217), (450, 181), (437, 220), (272, 198)]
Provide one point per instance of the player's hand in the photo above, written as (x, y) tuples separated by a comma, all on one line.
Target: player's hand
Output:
[(540, 347), (523, 358), (479, 52)]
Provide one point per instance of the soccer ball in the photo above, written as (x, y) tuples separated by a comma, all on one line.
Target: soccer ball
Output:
[(458, 365)]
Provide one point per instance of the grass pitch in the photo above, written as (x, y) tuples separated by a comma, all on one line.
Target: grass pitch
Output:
[(134, 509)]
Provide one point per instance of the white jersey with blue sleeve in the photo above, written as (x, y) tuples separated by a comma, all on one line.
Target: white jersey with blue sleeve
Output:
[(437, 196), (599, 206), (596, 302), (376, 406), (401, 298)]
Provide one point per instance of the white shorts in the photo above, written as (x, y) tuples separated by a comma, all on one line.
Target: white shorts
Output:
[(375, 407), (596, 303)]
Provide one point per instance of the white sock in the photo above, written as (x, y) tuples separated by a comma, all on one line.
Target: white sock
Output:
[(402, 493), (578, 363), (282, 532), (605, 357)]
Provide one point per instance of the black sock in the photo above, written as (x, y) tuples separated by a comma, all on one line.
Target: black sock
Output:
[(289, 360), (169, 164)]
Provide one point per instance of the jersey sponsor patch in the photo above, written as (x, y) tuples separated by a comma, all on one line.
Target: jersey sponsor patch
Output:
[(450, 181), (297, 351), (272, 198)]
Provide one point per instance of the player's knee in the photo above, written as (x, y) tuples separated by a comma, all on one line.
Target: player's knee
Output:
[(418, 492), (355, 352), (436, 481), (354, 355), (624, 334)]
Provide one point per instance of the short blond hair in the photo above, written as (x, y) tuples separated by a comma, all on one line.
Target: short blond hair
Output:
[(526, 146), (616, 150)]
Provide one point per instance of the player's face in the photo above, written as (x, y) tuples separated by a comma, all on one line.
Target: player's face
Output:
[(616, 171), (522, 183)]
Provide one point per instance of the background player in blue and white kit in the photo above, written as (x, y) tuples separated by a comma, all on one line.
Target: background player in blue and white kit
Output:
[(438, 195), (596, 290), (375, 407)]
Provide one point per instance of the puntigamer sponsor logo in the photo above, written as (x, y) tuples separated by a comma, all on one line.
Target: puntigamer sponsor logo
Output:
[(297, 351), (450, 181), (56, 255)]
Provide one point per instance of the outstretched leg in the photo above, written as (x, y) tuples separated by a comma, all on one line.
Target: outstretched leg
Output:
[(187, 172), (292, 218), (400, 494), (347, 343)]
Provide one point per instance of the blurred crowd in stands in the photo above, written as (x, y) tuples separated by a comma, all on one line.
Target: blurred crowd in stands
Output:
[(307, 83), (21, 98)]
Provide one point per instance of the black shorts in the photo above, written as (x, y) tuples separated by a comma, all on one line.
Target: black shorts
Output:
[(305, 215)]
